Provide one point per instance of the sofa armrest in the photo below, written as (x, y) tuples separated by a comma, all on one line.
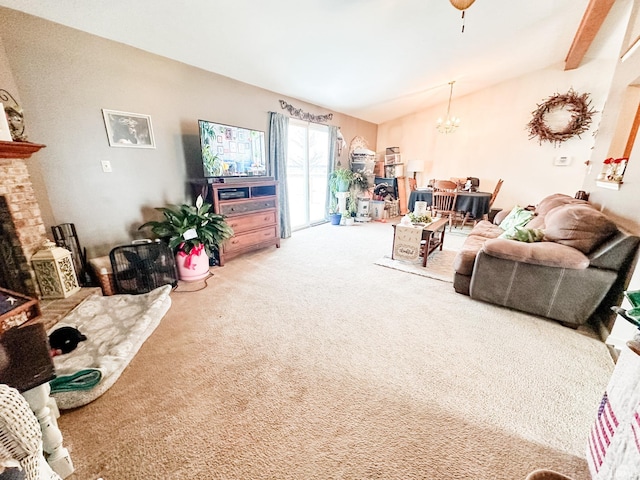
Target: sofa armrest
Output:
[(546, 254), (486, 229), (501, 215)]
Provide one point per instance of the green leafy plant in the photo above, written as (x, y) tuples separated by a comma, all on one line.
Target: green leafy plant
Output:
[(352, 206), (426, 218), (186, 227), (340, 180), (333, 208)]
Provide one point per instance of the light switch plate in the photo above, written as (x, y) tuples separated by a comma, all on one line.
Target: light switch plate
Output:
[(106, 166)]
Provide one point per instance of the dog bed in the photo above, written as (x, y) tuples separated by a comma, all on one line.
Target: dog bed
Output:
[(116, 327)]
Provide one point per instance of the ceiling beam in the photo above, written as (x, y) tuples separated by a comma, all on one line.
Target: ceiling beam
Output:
[(592, 20)]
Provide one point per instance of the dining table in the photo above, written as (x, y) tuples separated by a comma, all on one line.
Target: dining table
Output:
[(476, 204)]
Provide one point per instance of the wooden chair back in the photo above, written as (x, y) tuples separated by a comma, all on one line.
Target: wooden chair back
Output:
[(443, 204), (459, 181), (445, 186), (413, 184), (495, 192)]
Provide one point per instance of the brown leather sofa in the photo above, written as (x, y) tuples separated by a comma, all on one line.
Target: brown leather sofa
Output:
[(582, 263)]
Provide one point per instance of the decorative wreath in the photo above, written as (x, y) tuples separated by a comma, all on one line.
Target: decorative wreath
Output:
[(581, 113)]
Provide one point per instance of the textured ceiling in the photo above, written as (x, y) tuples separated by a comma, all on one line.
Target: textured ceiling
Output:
[(374, 59)]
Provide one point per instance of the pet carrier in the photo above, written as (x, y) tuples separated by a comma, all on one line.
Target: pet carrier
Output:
[(142, 267)]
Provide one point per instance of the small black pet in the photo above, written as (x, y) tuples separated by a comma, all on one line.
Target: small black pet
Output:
[(65, 339)]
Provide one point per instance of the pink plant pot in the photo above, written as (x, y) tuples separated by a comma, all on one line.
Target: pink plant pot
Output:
[(192, 267)]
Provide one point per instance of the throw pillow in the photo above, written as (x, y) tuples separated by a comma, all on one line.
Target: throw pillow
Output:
[(518, 217), (528, 235)]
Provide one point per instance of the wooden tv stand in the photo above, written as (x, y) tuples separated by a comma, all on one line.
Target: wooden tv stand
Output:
[(251, 209)]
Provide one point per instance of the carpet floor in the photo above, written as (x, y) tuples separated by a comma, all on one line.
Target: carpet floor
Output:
[(311, 362)]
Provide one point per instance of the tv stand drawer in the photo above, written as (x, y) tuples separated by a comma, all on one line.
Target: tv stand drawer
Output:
[(253, 221), (238, 208), (249, 240)]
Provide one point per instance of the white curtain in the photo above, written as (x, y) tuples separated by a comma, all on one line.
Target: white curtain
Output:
[(278, 138)]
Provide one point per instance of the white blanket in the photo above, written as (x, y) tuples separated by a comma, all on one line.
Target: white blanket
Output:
[(116, 327)]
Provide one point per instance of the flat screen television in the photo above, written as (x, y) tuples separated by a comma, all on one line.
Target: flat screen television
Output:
[(229, 151)]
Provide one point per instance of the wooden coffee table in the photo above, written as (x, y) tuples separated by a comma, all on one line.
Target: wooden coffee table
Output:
[(432, 240)]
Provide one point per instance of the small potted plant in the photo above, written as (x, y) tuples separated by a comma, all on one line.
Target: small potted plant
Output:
[(194, 233), (352, 210), (334, 215)]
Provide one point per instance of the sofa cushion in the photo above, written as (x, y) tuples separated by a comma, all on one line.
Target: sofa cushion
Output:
[(486, 229), (518, 217), (463, 262), (547, 254), (557, 199), (578, 226)]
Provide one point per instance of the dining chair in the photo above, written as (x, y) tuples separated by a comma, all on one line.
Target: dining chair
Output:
[(443, 204), (493, 197), (413, 184), (445, 186), (495, 193)]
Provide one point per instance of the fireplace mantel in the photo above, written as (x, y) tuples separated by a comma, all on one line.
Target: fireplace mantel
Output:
[(18, 149)]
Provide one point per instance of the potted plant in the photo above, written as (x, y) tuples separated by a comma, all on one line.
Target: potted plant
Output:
[(340, 180), (334, 215), (352, 210), (194, 233)]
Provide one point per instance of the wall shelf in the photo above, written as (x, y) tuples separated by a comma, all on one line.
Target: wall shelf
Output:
[(18, 149), (609, 185)]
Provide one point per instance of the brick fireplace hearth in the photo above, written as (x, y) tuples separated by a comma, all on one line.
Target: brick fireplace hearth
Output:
[(22, 230)]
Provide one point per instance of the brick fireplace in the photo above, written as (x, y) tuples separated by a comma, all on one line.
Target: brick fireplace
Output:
[(22, 230)]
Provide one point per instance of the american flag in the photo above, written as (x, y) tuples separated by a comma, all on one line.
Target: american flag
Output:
[(635, 428), (602, 433)]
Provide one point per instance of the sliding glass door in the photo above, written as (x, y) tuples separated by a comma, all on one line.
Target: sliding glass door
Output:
[(307, 169)]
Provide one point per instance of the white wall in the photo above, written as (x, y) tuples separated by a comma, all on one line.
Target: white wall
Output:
[(493, 142)]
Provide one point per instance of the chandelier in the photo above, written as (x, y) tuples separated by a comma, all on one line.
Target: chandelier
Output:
[(450, 124)]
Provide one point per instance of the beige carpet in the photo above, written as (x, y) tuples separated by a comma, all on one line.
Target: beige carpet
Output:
[(311, 362)]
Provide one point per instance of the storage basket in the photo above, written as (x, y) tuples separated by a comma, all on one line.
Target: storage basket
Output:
[(103, 272)]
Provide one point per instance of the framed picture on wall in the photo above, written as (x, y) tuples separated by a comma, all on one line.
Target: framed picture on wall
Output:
[(128, 129)]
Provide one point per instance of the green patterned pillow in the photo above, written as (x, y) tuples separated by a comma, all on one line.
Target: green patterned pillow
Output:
[(518, 217), (528, 235)]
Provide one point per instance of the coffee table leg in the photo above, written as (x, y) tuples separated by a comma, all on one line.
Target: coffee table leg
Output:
[(442, 238), (427, 249)]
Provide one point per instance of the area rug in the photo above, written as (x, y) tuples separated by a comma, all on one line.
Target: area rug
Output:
[(116, 327), (439, 265)]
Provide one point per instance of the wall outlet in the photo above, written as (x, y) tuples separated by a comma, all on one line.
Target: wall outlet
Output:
[(106, 166)]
